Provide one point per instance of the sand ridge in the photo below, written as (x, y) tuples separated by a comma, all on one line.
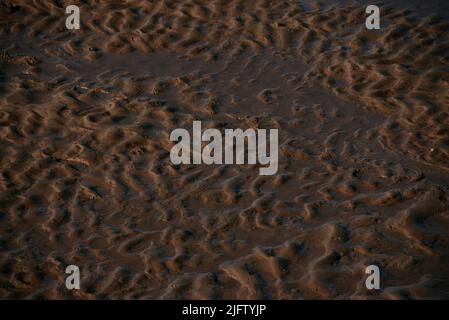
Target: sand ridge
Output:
[(85, 119)]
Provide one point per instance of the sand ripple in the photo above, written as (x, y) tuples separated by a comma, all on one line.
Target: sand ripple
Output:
[(86, 178)]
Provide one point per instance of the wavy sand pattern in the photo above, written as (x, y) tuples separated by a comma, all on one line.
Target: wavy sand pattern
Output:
[(86, 179)]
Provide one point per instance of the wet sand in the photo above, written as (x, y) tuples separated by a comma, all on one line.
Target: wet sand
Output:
[(86, 177)]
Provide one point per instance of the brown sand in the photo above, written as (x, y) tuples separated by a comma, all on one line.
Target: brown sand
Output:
[(86, 179)]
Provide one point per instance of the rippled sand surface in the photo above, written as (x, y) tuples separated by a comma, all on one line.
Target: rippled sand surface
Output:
[(86, 177)]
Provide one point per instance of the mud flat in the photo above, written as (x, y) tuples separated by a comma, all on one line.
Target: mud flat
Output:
[(86, 176)]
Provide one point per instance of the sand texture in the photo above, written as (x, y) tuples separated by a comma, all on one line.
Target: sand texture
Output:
[(86, 177)]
